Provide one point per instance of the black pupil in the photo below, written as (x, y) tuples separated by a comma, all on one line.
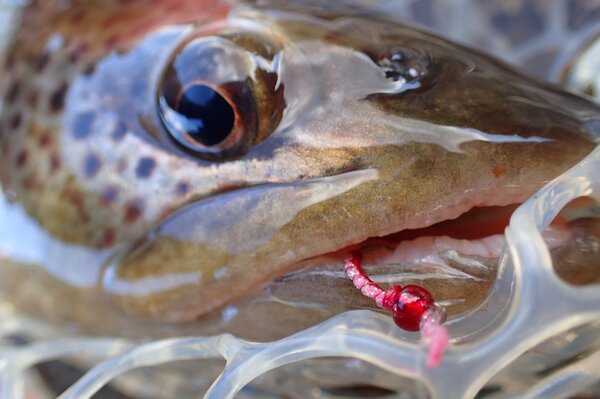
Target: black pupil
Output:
[(209, 117)]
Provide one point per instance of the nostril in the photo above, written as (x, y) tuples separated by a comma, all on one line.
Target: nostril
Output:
[(402, 63)]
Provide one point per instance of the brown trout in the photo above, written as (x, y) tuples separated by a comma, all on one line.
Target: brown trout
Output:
[(202, 166)]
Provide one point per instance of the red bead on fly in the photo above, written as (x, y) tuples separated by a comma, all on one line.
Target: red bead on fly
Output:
[(412, 306)]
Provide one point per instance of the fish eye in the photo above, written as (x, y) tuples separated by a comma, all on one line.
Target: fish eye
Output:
[(200, 118), (215, 100)]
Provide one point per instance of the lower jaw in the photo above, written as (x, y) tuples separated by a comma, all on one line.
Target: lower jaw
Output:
[(455, 260)]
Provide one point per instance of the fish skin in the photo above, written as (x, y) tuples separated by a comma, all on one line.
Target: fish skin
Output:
[(79, 123)]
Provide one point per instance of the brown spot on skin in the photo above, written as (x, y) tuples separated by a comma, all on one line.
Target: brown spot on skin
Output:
[(82, 125), (145, 167), (16, 120), (57, 100), (109, 196), (108, 238), (91, 165), (182, 188), (499, 171), (120, 131), (133, 211), (21, 159)]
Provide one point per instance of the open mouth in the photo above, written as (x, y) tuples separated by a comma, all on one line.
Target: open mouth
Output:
[(456, 259)]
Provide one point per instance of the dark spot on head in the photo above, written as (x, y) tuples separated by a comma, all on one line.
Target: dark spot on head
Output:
[(45, 140), (16, 120), (120, 131), (133, 210), (108, 238), (41, 61), (182, 188), (92, 164), (21, 158), (55, 162), (13, 91), (82, 125), (145, 167), (109, 195), (57, 100)]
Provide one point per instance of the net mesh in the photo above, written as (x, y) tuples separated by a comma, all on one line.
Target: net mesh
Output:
[(532, 327)]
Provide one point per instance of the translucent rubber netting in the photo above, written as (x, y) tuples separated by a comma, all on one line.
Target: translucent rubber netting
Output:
[(529, 313)]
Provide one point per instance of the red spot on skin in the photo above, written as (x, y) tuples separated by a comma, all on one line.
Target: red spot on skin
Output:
[(133, 211), (75, 198), (108, 238), (21, 159), (45, 140), (499, 171)]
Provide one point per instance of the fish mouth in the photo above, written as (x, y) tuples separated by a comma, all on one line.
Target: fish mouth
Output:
[(456, 259)]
